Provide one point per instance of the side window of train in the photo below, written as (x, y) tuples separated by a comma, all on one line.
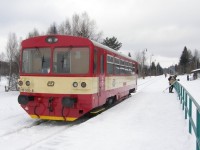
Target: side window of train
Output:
[(133, 68), (110, 64), (102, 64), (117, 66), (129, 68), (122, 66), (95, 61)]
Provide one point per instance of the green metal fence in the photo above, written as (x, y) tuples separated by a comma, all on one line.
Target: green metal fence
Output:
[(188, 102)]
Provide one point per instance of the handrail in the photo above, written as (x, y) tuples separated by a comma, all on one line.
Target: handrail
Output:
[(184, 96)]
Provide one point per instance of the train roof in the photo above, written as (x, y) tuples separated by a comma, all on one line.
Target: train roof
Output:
[(110, 49), (82, 39)]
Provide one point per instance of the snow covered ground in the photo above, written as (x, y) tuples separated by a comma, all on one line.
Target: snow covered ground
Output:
[(191, 86), (149, 120)]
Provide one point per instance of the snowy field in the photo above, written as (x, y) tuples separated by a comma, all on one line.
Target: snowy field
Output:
[(149, 120)]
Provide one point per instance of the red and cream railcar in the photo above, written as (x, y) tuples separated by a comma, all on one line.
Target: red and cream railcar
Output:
[(65, 77)]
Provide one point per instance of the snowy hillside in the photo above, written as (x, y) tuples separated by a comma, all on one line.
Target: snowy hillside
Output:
[(149, 120)]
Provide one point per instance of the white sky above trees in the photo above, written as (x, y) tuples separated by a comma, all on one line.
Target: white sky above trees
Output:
[(164, 27)]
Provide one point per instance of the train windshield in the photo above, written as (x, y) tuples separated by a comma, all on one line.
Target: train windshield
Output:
[(36, 60), (71, 60)]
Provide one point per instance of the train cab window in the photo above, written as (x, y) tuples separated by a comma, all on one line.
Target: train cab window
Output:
[(36, 60), (71, 60), (110, 65)]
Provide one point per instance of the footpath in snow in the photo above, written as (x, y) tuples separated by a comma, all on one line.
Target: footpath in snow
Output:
[(149, 120)]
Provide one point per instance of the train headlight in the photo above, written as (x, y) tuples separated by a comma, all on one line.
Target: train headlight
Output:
[(20, 83), (23, 100), (28, 83), (51, 39), (83, 84), (75, 84)]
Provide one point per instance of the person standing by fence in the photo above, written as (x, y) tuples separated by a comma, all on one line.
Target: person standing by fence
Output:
[(171, 80)]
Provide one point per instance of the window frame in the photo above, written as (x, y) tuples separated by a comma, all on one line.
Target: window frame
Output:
[(110, 62), (88, 69)]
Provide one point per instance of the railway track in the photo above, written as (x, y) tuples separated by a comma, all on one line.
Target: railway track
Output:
[(64, 127), (16, 130), (11, 117), (144, 84), (35, 132)]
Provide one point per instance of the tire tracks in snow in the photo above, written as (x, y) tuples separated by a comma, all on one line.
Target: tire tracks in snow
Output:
[(36, 123), (146, 84), (36, 132), (11, 117), (66, 126)]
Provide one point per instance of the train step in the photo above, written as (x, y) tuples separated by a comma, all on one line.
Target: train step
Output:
[(97, 110)]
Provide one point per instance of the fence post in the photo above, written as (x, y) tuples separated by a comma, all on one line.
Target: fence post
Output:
[(183, 102), (181, 95), (198, 130), (190, 115), (186, 105), (179, 89)]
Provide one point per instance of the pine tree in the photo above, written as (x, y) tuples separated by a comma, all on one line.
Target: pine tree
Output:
[(153, 68), (184, 60), (159, 69), (112, 43)]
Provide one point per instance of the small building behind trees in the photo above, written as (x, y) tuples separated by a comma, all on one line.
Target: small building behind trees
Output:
[(196, 73)]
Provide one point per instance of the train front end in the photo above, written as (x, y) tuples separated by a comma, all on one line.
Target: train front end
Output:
[(55, 81)]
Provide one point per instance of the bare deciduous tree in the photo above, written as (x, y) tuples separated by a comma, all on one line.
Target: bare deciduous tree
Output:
[(2, 57), (53, 29), (12, 51), (138, 58), (65, 28), (80, 25), (33, 33)]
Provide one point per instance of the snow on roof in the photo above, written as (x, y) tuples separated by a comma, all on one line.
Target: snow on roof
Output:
[(111, 50), (196, 70)]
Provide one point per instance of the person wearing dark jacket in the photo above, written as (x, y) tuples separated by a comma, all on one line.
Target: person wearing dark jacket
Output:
[(172, 80), (188, 78)]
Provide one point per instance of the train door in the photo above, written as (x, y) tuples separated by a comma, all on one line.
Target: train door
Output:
[(101, 77)]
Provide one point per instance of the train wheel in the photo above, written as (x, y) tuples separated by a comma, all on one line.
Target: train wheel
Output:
[(110, 101)]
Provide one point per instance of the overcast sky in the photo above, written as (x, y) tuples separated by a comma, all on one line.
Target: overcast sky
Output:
[(163, 27)]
